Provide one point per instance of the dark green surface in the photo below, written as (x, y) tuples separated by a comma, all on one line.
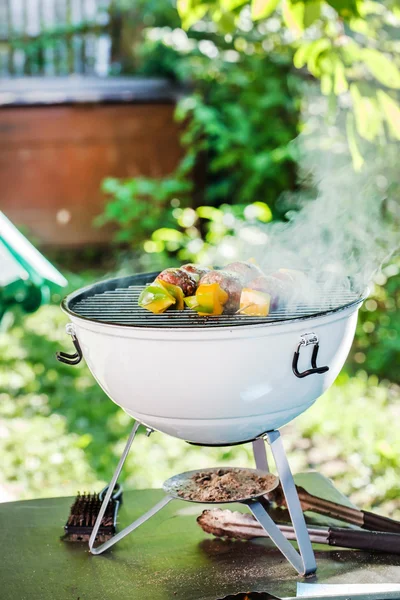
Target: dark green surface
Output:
[(168, 557)]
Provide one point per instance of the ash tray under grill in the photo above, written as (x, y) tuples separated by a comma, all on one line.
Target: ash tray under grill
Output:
[(220, 485)]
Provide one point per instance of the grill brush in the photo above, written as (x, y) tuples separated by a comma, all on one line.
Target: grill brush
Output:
[(83, 515), (226, 523)]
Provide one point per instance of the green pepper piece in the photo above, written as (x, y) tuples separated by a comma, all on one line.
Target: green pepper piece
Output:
[(193, 303), (156, 299), (175, 291)]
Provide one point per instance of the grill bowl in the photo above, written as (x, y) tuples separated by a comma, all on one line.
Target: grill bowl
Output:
[(216, 380)]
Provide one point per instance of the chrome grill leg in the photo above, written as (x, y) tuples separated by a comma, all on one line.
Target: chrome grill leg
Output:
[(260, 455), (303, 562), (106, 500)]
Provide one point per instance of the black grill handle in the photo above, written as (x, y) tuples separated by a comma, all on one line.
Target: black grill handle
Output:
[(71, 359), (305, 340)]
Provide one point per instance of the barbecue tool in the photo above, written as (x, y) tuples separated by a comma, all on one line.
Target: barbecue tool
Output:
[(240, 377), (347, 514), (83, 515), (226, 523)]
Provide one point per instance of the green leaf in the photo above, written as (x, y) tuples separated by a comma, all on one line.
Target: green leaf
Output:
[(367, 114), (381, 67), (191, 11), (262, 211), (312, 12), (165, 234), (345, 8), (326, 84), (356, 156), (391, 111), (231, 5), (302, 54), (261, 9), (340, 84), (317, 48), (293, 16), (211, 213)]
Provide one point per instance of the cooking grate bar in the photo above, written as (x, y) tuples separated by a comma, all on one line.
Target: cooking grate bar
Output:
[(120, 307)]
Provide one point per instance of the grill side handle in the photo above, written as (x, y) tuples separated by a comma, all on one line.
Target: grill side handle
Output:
[(71, 359), (305, 340)]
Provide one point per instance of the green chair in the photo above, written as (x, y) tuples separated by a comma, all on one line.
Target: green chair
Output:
[(27, 278)]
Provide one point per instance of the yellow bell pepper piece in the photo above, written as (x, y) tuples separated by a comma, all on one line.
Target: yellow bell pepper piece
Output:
[(211, 299), (254, 303)]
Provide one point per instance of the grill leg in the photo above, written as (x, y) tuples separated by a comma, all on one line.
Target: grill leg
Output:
[(303, 562), (106, 500), (260, 455)]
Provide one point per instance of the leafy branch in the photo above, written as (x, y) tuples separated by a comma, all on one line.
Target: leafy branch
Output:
[(348, 45)]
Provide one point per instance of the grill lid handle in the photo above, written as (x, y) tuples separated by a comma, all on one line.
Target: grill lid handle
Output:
[(305, 340), (71, 359)]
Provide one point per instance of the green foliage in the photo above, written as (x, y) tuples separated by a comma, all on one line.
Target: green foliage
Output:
[(339, 42), (377, 345), (235, 152), (197, 231)]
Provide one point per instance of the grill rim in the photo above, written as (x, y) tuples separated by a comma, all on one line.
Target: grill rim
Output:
[(82, 293)]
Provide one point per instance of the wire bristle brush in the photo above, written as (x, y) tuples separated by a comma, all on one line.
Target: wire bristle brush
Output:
[(83, 515)]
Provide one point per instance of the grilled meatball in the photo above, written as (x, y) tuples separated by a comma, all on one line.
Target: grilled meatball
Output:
[(279, 290), (230, 283), (196, 271), (246, 271), (186, 281)]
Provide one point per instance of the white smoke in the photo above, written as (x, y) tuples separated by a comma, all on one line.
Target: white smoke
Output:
[(349, 229)]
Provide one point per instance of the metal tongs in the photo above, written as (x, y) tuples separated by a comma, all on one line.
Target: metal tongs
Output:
[(347, 514), (381, 533)]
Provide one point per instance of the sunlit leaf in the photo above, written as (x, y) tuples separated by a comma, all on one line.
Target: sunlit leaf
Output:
[(326, 84), (356, 156), (293, 15), (225, 21), (190, 12), (302, 53), (345, 8), (231, 4), (262, 211), (211, 213), (361, 26), (318, 47), (261, 9), (340, 84), (165, 234), (367, 114), (381, 67), (312, 12), (391, 111)]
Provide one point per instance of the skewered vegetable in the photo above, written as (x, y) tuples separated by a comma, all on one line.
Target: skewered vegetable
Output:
[(239, 288), (175, 291), (156, 298), (279, 290), (254, 303), (210, 299), (230, 283)]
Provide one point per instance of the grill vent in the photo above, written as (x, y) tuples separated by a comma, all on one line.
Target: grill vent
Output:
[(117, 304)]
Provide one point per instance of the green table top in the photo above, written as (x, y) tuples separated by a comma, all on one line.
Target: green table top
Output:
[(168, 557)]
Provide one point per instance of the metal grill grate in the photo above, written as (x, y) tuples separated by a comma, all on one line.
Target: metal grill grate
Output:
[(119, 306)]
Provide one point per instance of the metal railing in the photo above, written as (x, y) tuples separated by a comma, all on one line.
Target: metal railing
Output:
[(58, 37)]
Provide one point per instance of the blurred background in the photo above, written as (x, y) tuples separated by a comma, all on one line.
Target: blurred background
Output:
[(135, 135)]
